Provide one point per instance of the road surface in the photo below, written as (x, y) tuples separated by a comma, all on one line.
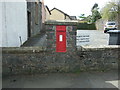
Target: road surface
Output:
[(65, 80)]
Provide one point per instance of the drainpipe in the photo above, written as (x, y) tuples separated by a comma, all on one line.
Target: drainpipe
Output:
[(20, 40)]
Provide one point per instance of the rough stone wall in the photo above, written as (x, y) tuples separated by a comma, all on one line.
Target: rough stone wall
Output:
[(39, 60), (105, 58), (71, 36), (51, 35)]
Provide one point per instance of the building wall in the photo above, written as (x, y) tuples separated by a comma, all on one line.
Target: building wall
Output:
[(36, 17), (0, 24), (47, 15), (43, 17), (43, 12), (14, 23), (56, 15), (67, 18)]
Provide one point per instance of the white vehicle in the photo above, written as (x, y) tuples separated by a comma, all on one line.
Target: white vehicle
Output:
[(111, 25)]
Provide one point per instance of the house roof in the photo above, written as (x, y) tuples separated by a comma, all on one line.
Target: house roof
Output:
[(61, 12), (48, 9), (33, 1)]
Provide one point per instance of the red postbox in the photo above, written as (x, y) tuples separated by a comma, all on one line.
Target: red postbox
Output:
[(60, 38)]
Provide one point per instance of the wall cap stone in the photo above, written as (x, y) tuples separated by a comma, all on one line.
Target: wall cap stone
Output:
[(23, 49), (98, 47), (61, 23), (43, 49)]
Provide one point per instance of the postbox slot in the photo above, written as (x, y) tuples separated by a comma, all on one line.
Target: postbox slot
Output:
[(60, 31), (61, 38)]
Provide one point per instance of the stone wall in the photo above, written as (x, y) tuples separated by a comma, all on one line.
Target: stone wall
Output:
[(38, 60), (35, 18), (71, 28), (32, 60), (99, 58)]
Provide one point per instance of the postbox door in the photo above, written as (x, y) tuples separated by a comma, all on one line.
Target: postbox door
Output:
[(60, 38)]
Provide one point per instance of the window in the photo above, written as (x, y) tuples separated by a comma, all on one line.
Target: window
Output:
[(111, 23)]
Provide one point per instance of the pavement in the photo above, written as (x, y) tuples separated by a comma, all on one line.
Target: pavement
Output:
[(92, 79)]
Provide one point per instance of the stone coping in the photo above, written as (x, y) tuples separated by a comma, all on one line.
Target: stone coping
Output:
[(61, 23), (98, 47), (23, 49), (43, 49)]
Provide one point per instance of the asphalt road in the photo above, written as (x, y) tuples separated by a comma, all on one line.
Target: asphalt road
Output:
[(65, 80), (92, 37)]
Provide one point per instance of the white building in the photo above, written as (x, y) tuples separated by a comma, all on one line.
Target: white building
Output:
[(13, 18)]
